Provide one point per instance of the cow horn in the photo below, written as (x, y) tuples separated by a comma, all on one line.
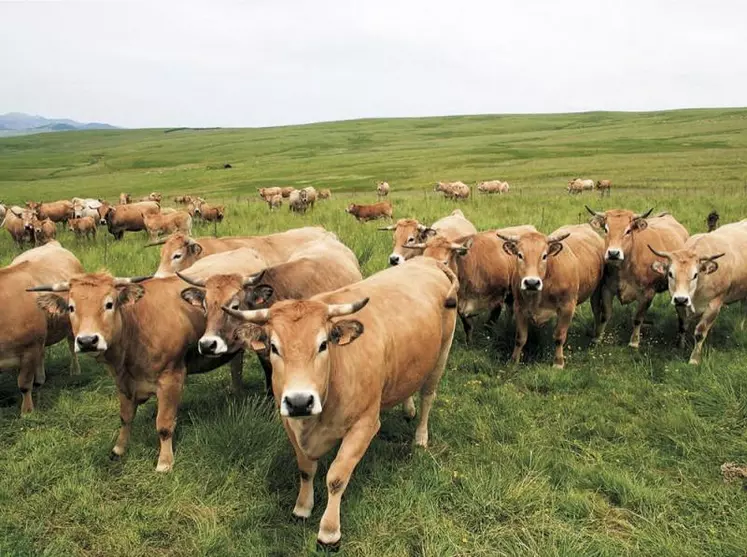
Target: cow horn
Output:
[(251, 280), (422, 227), (57, 287), (193, 281), (509, 239), (256, 316), (712, 258), (123, 281), (159, 242), (390, 227), (337, 310), (414, 246), (644, 215), (558, 239), (664, 254), (594, 213)]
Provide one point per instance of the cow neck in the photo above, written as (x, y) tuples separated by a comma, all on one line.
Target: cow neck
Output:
[(115, 354)]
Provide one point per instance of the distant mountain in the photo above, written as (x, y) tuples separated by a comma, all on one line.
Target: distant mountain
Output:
[(18, 123)]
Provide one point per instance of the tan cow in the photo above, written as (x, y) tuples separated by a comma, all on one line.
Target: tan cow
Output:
[(125, 199), (269, 193), (575, 187), (365, 213), (56, 211), (329, 386), (604, 186), (493, 186), (45, 231), (319, 266), (84, 226), (185, 199), (210, 213), (285, 192), (26, 323), (708, 272), (275, 202), (297, 201), (126, 218), (554, 274), (19, 223), (628, 271), (410, 231), (179, 251), (154, 196), (325, 194), (453, 190), (382, 189), (311, 195), (167, 223), (484, 270)]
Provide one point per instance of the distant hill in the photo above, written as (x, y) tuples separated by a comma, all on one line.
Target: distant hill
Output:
[(18, 123)]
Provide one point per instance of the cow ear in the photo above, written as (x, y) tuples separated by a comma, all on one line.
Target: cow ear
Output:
[(195, 248), (428, 233), (597, 223), (659, 267), (346, 331), (639, 224), (52, 304), (193, 296), (130, 294), (258, 341), (510, 248), (461, 252), (258, 297), (555, 248), (708, 267)]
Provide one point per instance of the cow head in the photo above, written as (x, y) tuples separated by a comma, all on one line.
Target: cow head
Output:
[(93, 304), (299, 335), (105, 211), (27, 217), (683, 269), (179, 251), (533, 252), (407, 233), (443, 250), (352, 208), (619, 226)]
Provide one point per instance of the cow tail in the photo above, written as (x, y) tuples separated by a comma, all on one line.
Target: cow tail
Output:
[(451, 296)]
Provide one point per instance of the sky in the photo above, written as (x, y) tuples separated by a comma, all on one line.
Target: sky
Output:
[(278, 62)]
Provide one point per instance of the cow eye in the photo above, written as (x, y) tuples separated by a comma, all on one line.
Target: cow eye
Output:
[(695, 276), (176, 256), (235, 306), (71, 308), (671, 274), (323, 346), (606, 228), (544, 256), (109, 305), (520, 256), (274, 349), (410, 240)]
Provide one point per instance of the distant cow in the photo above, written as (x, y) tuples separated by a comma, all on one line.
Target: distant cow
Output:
[(155, 196), (453, 190), (311, 195), (26, 322), (493, 186), (19, 222), (628, 260), (329, 386), (211, 213), (126, 218), (605, 186), (285, 192), (708, 272), (554, 274), (577, 185), (161, 223), (125, 198), (325, 194), (184, 199), (44, 231), (382, 189), (86, 208), (84, 226), (712, 221), (275, 202), (268, 193), (375, 211), (56, 211), (297, 202)]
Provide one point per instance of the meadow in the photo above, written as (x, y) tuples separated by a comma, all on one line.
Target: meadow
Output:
[(617, 454)]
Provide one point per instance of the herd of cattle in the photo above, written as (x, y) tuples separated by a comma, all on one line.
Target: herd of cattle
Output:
[(337, 348)]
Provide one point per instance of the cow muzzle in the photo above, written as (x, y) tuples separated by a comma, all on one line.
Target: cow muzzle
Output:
[(681, 301), (102, 222), (300, 404), (531, 284), (211, 345), (614, 255), (90, 343), (396, 259)]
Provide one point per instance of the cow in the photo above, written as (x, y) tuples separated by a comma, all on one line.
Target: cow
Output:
[(44, 231), (365, 213), (554, 274), (286, 191), (708, 272), (19, 222), (325, 194), (183, 199), (583, 184), (311, 196), (179, 251), (297, 202), (382, 189), (483, 268), (329, 386), (126, 218), (493, 186), (210, 213), (167, 223), (604, 186), (26, 323), (319, 266), (154, 196), (84, 226), (56, 211), (125, 198), (453, 190), (410, 231), (275, 202), (86, 208), (269, 193), (712, 221), (628, 261), (575, 187)]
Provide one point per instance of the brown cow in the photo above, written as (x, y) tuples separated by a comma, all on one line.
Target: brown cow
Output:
[(604, 186), (708, 272), (126, 218), (179, 252), (375, 211), (628, 272), (325, 194), (410, 231), (57, 211), (285, 192), (330, 388), (167, 223), (19, 223), (269, 193), (210, 213), (84, 226), (125, 199), (275, 202), (554, 274), (27, 325), (44, 231)]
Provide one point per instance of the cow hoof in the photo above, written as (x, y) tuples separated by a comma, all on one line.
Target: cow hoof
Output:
[(164, 467), (694, 362), (333, 547), (558, 366), (114, 457), (634, 345)]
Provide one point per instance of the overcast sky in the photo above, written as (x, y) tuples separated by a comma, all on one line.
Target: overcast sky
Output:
[(271, 62)]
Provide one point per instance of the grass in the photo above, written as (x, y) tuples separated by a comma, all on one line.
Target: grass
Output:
[(618, 454)]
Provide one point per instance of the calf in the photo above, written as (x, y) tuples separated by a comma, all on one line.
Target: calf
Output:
[(328, 387), (126, 218), (366, 213), (84, 226), (44, 231), (628, 261), (167, 223), (708, 272), (554, 274), (275, 202)]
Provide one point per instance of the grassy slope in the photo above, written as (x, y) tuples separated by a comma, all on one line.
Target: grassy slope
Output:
[(617, 454)]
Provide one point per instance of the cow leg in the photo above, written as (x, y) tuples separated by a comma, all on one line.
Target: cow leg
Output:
[(522, 330), (74, 363), (29, 368), (169, 395), (601, 306), (495, 315), (681, 326), (640, 313), (237, 367), (743, 309), (408, 407), (428, 390), (565, 316), (127, 410), (702, 328), (264, 361), (467, 324), (353, 447), (307, 471)]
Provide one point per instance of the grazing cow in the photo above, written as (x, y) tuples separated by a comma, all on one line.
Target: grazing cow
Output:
[(554, 274), (275, 202), (708, 272), (325, 194), (366, 213), (453, 190), (330, 387), (155, 196), (311, 196), (44, 231), (125, 199), (57, 211), (605, 186), (84, 226), (19, 223), (210, 213), (26, 323), (126, 218), (382, 189), (628, 272), (493, 186), (86, 208), (712, 221), (285, 192), (184, 199), (575, 187), (318, 267), (179, 252), (410, 231), (297, 202), (483, 268), (269, 193), (167, 223)]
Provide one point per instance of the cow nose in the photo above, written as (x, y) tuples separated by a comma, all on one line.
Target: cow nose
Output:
[(681, 300), (87, 343), (102, 221), (394, 259), (532, 283), (613, 254), (208, 345), (299, 404)]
